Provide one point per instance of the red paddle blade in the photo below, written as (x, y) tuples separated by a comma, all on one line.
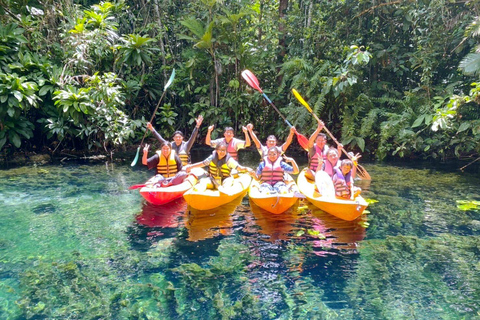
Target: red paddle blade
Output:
[(251, 80), (137, 186), (302, 140)]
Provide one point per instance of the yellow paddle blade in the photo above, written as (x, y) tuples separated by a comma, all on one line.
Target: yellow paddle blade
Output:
[(302, 101)]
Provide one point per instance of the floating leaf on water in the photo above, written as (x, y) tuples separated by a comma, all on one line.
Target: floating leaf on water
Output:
[(316, 233), (466, 205)]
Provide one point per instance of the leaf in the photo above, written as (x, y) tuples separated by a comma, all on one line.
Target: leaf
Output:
[(361, 143), (14, 138), (464, 126), (418, 121)]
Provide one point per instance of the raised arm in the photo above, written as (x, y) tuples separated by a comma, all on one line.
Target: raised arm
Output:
[(155, 133), (257, 142), (289, 139), (208, 139), (313, 137), (145, 154), (247, 137), (190, 141), (294, 164)]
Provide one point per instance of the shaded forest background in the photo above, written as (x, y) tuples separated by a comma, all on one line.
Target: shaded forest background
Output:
[(389, 78)]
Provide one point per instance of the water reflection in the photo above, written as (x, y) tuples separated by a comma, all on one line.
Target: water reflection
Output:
[(165, 216), (275, 226), (204, 224), (336, 233)]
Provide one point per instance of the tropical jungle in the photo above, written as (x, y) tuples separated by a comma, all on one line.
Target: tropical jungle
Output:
[(395, 81), (390, 78)]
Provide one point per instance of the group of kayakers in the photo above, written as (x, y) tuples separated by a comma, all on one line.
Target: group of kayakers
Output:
[(173, 162)]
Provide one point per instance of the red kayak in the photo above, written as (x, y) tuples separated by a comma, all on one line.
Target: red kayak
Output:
[(161, 195)]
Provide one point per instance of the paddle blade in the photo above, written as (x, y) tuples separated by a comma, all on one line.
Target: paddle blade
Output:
[(169, 82), (134, 162), (251, 80), (362, 173), (302, 140), (302, 101), (136, 186)]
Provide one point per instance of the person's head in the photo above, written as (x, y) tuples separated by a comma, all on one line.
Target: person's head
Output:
[(346, 166), (321, 140), (332, 156), (228, 133), (221, 150), (178, 137), (272, 154), (166, 149), (271, 141)]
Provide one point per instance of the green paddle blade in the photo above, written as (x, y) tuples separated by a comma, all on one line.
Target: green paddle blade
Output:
[(134, 162), (169, 82)]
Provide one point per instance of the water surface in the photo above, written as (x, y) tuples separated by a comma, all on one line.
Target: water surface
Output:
[(76, 243)]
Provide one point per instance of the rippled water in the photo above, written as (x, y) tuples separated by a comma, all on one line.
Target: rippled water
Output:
[(76, 243)]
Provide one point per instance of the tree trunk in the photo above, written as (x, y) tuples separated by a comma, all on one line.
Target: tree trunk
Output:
[(282, 10)]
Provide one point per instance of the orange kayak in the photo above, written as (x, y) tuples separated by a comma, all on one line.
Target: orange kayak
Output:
[(274, 202), (344, 209), (210, 199)]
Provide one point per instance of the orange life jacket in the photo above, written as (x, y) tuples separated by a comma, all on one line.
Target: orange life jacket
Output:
[(272, 172)]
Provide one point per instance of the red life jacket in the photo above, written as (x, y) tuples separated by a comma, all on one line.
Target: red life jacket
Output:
[(318, 153), (231, 149), (272, 172), (342, 183)]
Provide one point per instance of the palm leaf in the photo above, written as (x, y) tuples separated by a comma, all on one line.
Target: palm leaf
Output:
[(470, 65)]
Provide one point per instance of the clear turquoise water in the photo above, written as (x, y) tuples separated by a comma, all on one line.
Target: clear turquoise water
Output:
[(75, 243)]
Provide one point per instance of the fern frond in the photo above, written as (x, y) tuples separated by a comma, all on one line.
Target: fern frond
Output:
[(470, 65)]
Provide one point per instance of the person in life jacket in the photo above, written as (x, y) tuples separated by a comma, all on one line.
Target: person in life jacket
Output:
[(317, 150), (181, 147), (270, 171), (343, 181), (271, 142), (330, 164), (220, 165), (233, 144), (167, 164)]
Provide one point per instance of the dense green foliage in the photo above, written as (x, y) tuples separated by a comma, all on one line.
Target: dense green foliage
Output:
[(393, 78)]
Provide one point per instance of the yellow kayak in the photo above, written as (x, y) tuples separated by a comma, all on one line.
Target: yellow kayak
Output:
[(274, 202), (210, 199), (344, 209)]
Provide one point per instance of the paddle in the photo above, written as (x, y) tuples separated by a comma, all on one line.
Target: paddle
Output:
[(136, 186), (253, 82), (362, 173), (169, 82)]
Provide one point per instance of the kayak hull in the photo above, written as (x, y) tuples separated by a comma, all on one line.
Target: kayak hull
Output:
[(344, 209), (210, 199), (275, 203), (163, 195)]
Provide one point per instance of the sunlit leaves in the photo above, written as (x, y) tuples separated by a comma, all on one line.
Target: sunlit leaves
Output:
[(137, 50)]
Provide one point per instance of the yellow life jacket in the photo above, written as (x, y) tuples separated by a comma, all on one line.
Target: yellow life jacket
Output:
[(219, 169), (167, 167)]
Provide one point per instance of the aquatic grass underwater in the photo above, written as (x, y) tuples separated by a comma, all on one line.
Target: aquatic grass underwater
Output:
[(75, 243)]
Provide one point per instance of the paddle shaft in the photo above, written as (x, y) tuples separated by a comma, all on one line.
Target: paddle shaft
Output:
[(361, 170), (278, 111), (153, 115)]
